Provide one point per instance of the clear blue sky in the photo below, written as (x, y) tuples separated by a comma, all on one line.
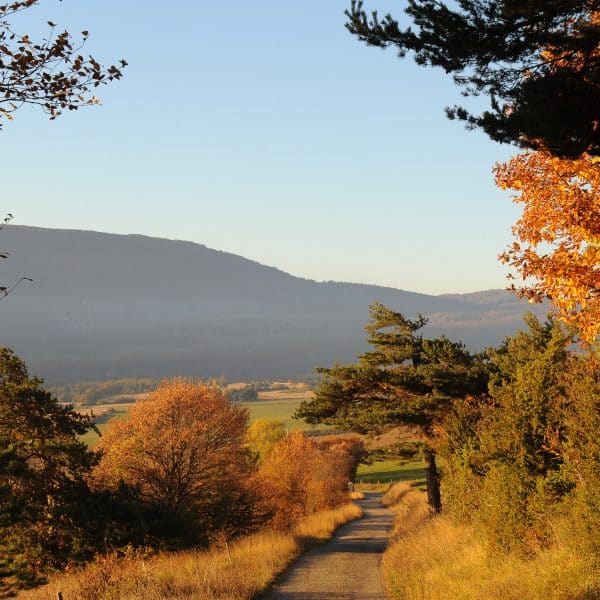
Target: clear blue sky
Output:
[(265, 129)]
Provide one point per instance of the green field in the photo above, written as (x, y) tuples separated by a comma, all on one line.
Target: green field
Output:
[(385, 471), (280, 409)]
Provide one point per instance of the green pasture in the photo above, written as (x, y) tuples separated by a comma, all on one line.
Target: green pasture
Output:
[(386, 471), (281, 409)]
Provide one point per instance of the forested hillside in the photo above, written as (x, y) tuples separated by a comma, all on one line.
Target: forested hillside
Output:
[(106, 306)]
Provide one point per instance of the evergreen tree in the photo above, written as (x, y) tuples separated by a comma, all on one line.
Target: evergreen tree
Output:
[(405, 379), (42, 477), (509, 464), (538, 61)]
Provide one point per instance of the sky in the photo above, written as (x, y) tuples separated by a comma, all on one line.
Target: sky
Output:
[(265, 129)]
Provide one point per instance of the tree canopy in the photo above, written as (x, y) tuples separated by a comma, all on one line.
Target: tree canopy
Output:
[(558, 247), (529, 455), (404, 379), (43, 466), (537, 61), (183, 449)]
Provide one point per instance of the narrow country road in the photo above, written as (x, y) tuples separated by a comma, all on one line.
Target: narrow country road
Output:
[(346, 568)]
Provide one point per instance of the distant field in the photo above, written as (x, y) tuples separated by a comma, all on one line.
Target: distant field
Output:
[(384, 471), (280, 409)]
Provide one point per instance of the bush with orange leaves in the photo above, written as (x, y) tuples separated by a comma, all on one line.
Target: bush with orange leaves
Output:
[(349, 447), (558, 247), (298, 478), (182, 451)]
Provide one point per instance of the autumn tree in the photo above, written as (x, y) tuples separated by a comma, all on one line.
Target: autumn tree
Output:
[(557, 250), (298, 478), (183, 449), (349, 448), (537, 61), (262, 435), (52, 74), (43, 470), (405, 379)]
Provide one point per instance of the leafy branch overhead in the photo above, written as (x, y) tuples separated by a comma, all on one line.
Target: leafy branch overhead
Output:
[(538, 61), (52, 74)]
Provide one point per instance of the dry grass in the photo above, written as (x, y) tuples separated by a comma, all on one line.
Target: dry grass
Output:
[(320, 526), (357, 495), (435, 559), (239, 573)]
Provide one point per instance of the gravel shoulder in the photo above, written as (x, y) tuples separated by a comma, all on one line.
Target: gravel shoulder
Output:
[(348, 567)]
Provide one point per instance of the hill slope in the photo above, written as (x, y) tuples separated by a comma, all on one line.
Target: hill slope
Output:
[(105, 305)]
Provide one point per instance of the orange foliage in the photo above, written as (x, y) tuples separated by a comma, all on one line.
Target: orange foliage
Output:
[(299, 478), (558, 234), (182, 448), (350, 449), (559, 58)]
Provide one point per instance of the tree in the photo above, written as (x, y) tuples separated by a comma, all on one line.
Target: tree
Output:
[(558, 234), (262, 435), (298, 478), (528, 457), (405, 379), (183, 449), (51, 74), (538, 61), (350, 449), (43, 467), (582, 448)]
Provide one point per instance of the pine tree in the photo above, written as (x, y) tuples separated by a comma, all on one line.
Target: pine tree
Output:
[(43, 466), (537, 61), (404, 380)]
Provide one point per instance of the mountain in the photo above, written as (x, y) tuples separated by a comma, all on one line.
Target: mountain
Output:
[(104, 306)]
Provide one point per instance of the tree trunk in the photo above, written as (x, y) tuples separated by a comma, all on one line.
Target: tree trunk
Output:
[(433, 482)]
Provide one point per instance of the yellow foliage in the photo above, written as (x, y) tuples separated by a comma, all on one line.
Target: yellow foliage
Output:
[(263, 434)]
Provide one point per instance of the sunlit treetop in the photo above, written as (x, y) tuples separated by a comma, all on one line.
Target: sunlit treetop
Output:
[(557, 251)]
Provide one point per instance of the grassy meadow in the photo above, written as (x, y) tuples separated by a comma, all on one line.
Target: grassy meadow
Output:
[(386, 471)]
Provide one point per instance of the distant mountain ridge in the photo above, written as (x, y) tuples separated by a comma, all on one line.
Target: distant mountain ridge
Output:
[(105, 305)]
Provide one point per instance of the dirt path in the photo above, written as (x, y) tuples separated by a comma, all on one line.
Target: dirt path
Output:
[(346, 568)]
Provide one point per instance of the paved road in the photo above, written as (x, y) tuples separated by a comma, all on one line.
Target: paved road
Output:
[(346, 568)]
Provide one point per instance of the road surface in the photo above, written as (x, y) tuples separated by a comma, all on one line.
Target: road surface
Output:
[(346, 568)]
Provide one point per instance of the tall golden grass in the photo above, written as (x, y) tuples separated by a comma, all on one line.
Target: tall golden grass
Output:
[(238, 572), (436, 559)]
